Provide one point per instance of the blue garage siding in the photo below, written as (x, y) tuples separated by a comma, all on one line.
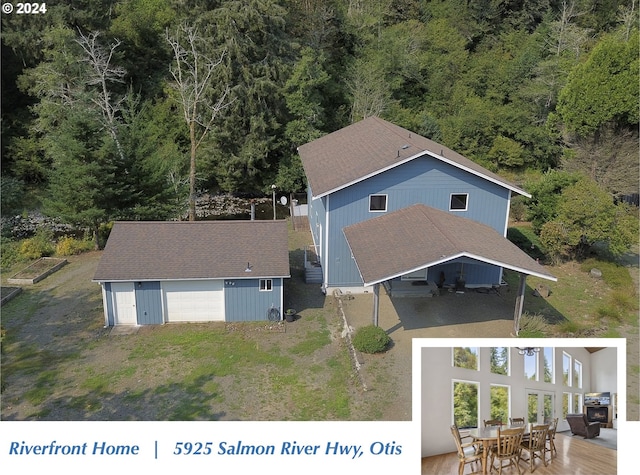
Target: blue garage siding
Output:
[(245, 302), (148, 303), (423, 180)]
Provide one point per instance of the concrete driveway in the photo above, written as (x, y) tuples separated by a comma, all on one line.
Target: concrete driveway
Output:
[(451, 315)]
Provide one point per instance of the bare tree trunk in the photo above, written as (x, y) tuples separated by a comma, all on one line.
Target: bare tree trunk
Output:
[(192, 172), (193, 74), (100, 59)]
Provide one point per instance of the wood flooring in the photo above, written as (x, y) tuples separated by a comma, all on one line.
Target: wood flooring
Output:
[(575, 456)]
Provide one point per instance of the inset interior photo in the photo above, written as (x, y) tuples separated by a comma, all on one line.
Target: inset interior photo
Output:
[(507, 409)]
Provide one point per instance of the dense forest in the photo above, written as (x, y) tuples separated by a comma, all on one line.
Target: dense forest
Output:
[(125, 109)]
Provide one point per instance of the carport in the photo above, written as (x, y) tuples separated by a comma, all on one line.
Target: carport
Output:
[(418, 237)]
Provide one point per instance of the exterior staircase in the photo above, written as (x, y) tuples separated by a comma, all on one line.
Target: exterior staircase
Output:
[(313, 274), (312, 267)]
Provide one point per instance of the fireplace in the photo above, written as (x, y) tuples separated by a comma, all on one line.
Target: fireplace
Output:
[(598, 414)]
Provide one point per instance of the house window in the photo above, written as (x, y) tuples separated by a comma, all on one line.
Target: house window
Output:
[(500, 360), (465, 404), (532, 407), (566, 369), (548, 407), (499, 402), (577, 374), (465, 358), (577, 402), (378, 203), (266, 285), (566, 404), (547, 355), (458, 202), (531, 367)]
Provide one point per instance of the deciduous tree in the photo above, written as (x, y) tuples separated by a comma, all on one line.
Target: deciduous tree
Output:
[(196, 65)]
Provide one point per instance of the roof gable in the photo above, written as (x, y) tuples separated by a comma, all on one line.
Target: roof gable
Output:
[(174, 250), (370, 147), (420, 236)]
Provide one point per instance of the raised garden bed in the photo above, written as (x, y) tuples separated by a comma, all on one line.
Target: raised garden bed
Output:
[(37, 271), (8, 293)]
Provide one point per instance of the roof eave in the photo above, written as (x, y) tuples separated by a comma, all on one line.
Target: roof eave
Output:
[(518, 269), (422, 153), (171, 279)]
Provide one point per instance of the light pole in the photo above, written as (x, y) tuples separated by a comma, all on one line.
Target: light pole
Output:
[(273, 188)]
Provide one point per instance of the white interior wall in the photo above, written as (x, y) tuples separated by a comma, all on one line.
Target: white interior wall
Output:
[(604, 375), (437, 373)]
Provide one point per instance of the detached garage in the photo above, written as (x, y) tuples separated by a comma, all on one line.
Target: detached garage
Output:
[(185, 271)]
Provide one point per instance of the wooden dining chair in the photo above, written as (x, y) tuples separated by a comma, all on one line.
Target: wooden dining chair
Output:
[(493, 423), (516, 421), (468, 452), (551, 438), (507, 448), (535, 445)]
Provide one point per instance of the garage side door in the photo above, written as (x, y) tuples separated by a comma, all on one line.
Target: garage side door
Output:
[(124, 303), (194, 300)]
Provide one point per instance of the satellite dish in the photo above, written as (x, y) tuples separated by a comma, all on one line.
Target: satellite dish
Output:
[(283, 200)]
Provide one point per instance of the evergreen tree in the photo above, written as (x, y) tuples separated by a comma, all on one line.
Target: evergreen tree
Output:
[(246, 148), (82, 185)]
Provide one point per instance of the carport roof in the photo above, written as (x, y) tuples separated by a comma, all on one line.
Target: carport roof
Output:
[(180, 250), (419, 236)]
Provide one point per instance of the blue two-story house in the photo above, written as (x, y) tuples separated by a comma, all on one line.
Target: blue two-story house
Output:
[(363, 178)]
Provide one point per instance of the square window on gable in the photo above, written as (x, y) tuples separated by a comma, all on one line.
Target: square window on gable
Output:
[(378, 203), (458, 202)]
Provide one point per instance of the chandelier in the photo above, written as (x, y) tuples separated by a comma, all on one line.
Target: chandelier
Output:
[(529, 351)]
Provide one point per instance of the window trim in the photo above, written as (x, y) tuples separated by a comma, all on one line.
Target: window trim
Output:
[(265, 285), (466, 201), (386, 202)]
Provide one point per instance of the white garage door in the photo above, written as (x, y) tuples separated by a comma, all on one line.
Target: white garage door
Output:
[(194, 300), (124, 303)]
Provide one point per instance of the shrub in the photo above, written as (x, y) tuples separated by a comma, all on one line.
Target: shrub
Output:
[(37, 246), (69, 246), (533, 326), (518, 209), (10, 253), (371, 339)]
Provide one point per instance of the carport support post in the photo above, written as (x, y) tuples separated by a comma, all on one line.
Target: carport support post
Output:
[(519, 304), (376, 303)]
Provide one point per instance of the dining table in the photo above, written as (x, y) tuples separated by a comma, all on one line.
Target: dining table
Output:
[(489, 436)]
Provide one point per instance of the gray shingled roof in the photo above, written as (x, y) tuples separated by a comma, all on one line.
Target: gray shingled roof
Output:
[(420, 236), (145, 250), (371, 146)]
